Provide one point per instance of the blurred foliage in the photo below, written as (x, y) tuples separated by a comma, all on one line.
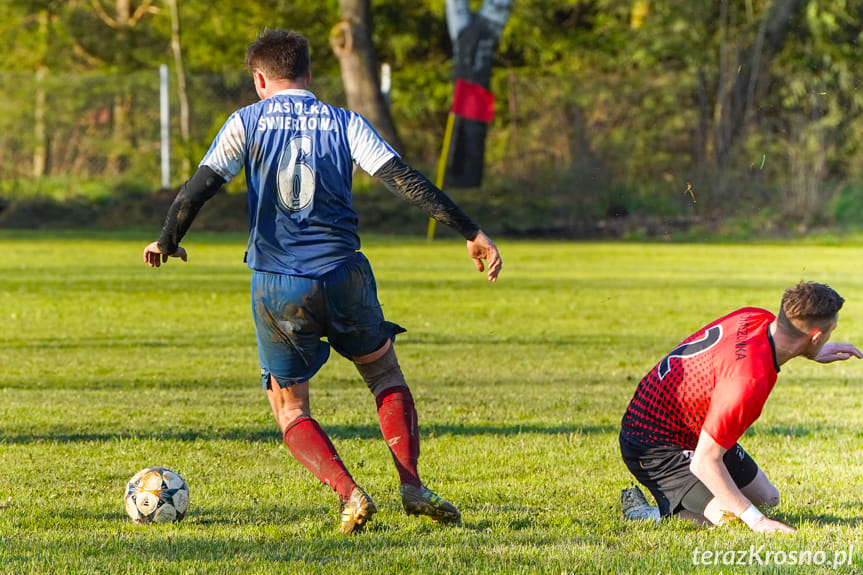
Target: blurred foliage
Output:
[(606, 111)]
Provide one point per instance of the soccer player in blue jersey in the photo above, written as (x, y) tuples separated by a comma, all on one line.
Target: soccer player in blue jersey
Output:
[(310, 281)]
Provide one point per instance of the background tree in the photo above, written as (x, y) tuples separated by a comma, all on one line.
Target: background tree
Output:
[(351, 40), (744, 71), (182, 90), (604, 108), (35, 48), (116, 33)]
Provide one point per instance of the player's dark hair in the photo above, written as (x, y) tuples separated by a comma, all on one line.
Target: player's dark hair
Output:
[(280, 54), (808, 305)]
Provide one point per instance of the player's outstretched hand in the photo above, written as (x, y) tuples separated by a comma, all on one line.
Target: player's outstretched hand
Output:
[(837, 352), (767, 525), (482, 248), (154, 257)]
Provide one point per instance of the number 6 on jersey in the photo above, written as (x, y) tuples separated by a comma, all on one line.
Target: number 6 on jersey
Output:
[(296, 176)]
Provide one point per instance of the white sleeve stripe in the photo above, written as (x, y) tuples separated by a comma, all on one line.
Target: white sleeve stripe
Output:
[(228, 152), (368, 149)]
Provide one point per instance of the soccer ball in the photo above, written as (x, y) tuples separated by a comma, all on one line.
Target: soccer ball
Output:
[(156, 495)]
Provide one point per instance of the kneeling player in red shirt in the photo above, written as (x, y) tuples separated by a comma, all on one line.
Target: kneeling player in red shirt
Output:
[(679, 434)]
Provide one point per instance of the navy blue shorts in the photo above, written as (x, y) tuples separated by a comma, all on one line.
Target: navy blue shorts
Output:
[(294, 314)]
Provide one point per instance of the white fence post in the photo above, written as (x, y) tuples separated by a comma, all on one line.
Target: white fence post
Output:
[(386, 82)]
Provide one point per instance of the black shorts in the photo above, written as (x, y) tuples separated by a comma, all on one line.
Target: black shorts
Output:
[(664, 470)]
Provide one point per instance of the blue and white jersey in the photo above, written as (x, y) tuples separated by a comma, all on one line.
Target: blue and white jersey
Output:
[(298, 154)]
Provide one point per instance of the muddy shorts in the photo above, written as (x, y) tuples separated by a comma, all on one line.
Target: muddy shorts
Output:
[(297, 319)]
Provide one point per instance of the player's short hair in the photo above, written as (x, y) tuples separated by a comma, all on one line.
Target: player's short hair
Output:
[(808, 305), (280, 54)]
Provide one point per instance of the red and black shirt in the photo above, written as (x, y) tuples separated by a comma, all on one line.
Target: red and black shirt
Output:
[(716, 380)]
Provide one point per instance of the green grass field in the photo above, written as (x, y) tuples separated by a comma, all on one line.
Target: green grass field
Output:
[(109, 366)]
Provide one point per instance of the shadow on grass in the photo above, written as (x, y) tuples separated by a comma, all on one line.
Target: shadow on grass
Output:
[(819, 519), (511, 514), (269, 535), (791, 430), (208, 515), (795, 430), (204, 553), (271, 434), (213, 539)]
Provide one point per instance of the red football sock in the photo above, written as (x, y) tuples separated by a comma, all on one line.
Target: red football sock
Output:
[(310, 445), (398, 419)]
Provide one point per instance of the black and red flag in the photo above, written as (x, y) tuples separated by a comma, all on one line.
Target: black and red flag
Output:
[(475, 37)]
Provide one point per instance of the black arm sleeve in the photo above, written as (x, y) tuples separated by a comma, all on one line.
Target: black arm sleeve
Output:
[(410, 185), (192, 195)]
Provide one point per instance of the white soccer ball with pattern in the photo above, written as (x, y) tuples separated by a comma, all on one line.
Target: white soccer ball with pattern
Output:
[(157, 495)]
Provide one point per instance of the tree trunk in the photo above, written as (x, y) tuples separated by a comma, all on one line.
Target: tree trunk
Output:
[(182, 92), (351, 40), (40, 132), (739, 83), (117, 155)]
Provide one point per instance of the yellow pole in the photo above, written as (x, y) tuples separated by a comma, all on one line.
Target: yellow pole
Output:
[(441, 167)]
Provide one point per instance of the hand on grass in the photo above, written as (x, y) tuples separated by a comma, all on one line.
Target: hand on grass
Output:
[(767, 525), (154, 257), (482, 248)]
